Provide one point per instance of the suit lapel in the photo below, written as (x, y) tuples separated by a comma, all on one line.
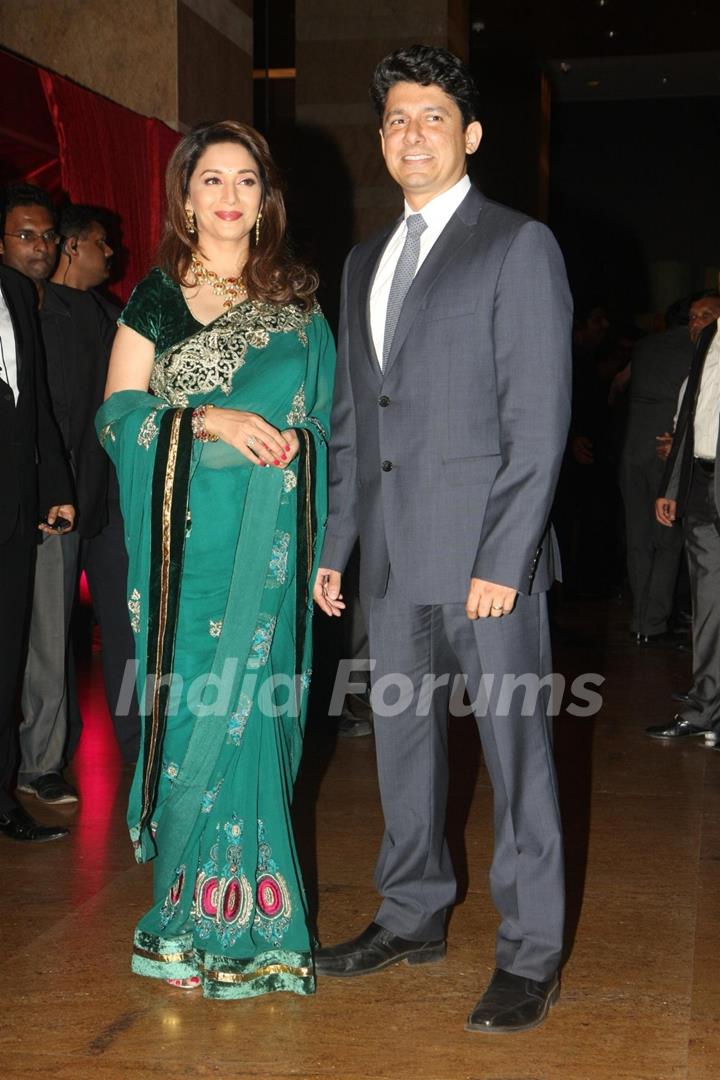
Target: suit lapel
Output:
[(17, 330), (366, 277), (453, 237)]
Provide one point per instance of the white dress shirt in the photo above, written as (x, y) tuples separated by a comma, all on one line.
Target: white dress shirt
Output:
[(8, 354), (707, 410), (436, 213)]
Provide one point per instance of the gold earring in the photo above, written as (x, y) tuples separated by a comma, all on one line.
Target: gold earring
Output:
[(190, 221), (258, 219)]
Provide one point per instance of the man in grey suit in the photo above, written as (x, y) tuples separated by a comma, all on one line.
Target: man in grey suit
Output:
[(449, 422)]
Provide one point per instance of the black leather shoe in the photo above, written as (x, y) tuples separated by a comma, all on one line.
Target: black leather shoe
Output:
[(512, 1003), (665, 640), (376, 948), (677, 695), (676, 729), (18, 825), (51, 788)]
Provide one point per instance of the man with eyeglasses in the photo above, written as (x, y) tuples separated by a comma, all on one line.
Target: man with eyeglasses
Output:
[(76, 336)]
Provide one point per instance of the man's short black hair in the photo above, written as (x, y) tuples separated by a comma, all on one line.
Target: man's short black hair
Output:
[(678, 314), (76, 219), (427, 65), (24, 195)]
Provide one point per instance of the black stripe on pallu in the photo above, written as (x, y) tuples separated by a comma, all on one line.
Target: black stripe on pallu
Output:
[(306, 531), (161, 563)]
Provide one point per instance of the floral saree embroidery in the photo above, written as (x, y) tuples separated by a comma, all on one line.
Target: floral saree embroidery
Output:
[(211, 358)]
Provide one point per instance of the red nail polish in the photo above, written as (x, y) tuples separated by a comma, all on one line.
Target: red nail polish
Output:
[(286, 446), (276, 462)]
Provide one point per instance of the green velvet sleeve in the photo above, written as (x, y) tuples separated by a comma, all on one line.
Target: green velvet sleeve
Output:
[(142, 312)]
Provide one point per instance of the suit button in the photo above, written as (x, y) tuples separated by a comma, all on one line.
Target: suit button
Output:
[(386, 466), (384, 401)]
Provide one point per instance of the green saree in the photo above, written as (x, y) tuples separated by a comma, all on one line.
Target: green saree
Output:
[(221, 556)]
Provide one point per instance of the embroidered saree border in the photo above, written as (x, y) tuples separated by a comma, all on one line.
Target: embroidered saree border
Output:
[(170, 484), (222, 969), (306, 528)]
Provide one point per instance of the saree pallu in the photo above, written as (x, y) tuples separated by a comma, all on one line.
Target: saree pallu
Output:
[(222, 555)]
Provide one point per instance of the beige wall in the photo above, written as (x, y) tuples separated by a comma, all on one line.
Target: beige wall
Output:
[(215, 61), (159, 57), (125, 50), (338, 46)]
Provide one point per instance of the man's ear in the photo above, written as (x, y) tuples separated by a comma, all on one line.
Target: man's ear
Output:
[(70, 247), (473, 136)]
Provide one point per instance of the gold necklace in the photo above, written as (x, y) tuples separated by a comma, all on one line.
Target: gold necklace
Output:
[(231, 288)]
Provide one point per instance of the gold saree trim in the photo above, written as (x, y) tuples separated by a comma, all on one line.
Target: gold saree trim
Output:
[(241, 977), (164, 958), (308, 505)]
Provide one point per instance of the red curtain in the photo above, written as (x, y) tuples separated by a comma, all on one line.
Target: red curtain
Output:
[(112, 157)]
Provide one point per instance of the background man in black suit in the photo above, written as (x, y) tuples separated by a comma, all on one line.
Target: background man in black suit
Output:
[(77, 337), (660, 362), (84, 264), (690, 492), (35, 484)]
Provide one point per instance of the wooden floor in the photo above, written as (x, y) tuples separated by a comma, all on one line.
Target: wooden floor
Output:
[(641, 990)]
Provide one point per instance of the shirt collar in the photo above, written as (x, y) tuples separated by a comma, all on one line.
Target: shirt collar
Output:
[(440, 209)]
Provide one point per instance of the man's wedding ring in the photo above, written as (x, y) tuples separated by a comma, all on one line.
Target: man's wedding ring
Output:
[(496, 607), (251, 441)]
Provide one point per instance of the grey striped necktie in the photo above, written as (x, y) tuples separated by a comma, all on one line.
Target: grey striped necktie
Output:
[(402, 278)]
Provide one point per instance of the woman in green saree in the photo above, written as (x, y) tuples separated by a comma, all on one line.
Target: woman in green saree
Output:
[(216, 417)]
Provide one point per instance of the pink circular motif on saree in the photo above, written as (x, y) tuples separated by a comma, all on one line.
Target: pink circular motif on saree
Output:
[(231, 900), (209, 897), (269, 896)]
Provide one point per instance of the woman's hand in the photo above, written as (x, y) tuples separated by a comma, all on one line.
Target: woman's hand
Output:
[(258, 441), (291, 438)]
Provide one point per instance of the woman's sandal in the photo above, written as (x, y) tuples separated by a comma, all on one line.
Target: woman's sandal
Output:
[(185, 984)]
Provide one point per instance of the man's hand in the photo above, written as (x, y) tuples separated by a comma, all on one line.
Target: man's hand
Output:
[(326, 593), (665, 511), (664, 445), (486, 598), (581, 448), (65, 511)]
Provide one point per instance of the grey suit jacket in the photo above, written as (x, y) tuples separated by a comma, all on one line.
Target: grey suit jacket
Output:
[(445, 463)]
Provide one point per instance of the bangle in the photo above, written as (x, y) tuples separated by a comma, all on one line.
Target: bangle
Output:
[(197, 424)]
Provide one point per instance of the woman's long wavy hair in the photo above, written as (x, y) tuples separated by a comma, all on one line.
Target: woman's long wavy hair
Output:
[(272, 273)]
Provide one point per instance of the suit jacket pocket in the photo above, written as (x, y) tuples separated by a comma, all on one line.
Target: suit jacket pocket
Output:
[(456, 307), (481, 469)]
